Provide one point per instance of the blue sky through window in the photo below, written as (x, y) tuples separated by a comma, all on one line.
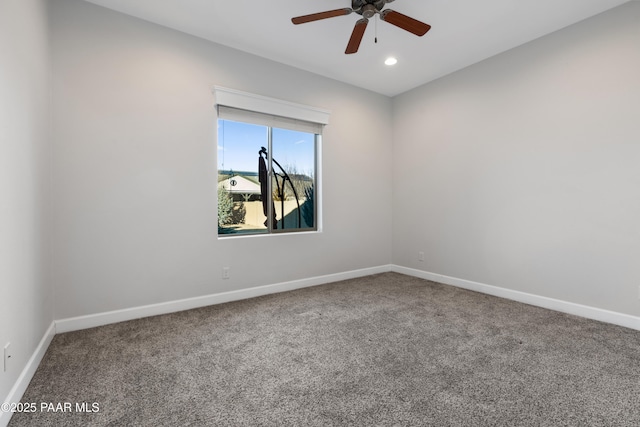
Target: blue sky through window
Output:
[(239, 143)]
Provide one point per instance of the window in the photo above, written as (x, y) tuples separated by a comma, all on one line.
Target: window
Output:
[(267, 165)]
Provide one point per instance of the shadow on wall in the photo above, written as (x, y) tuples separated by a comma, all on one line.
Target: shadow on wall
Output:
[(306, 217)]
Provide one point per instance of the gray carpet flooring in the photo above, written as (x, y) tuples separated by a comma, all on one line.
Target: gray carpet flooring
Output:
[(387, 349)]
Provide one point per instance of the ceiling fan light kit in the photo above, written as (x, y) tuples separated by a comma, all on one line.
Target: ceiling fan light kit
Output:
[(367, 9)]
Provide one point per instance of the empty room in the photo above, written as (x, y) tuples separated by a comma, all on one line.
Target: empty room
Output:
[(319, 212)]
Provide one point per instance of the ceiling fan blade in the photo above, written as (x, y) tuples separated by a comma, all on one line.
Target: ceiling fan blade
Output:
[(405, 22), (356, 36), (321, 15)]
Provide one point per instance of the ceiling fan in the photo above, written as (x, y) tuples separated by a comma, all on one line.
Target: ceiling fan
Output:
[(367, 8)]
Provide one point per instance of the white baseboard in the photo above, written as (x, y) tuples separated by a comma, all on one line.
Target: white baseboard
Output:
[(15, 394), (626, 320), (100, 319)]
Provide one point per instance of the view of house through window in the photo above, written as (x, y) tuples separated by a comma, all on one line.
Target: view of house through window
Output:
[(266, 179)]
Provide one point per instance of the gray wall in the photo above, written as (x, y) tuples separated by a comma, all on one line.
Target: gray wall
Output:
[(522, 171), (135, 167), (25, 294)]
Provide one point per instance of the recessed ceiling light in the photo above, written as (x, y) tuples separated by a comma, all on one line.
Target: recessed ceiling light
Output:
[(391, 61)]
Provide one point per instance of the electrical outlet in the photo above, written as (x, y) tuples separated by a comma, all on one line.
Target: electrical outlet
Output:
[(7, 356), (226, 273), (421, 256)]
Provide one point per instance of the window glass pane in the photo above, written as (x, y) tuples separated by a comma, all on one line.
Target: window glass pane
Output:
[(265, 172), (293, 181), (240, 203)]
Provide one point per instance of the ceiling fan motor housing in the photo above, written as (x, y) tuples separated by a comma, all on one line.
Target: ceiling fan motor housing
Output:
[(368, 8)]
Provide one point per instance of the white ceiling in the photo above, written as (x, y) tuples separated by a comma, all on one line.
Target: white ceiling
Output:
[(463, 33)]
